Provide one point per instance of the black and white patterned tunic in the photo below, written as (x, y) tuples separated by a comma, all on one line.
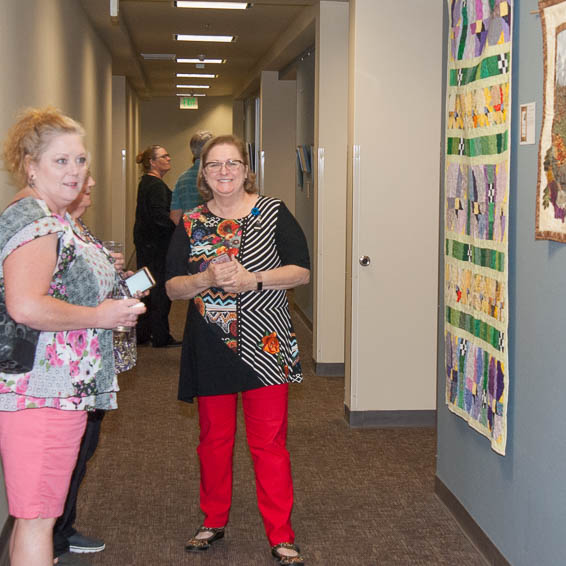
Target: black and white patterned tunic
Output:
[(238, 341)]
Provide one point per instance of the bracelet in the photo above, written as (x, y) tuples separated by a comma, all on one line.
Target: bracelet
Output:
[(259, 280)]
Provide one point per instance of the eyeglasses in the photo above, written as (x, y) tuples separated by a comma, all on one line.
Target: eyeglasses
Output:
[(230, 164)]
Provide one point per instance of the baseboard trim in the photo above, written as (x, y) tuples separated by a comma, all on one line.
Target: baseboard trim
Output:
[(5, 542), (470, 528), (390, 419), (329, 370)]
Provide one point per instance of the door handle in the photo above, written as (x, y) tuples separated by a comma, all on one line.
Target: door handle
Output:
[(365, 260)]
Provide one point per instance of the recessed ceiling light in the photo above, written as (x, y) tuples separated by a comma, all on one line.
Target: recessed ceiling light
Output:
[(216, 38), (193, 86), (201, 60), (213, 5), (200, 75), (194, 94)]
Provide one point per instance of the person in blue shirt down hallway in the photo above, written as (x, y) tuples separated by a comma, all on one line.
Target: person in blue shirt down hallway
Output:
[(185, 194)]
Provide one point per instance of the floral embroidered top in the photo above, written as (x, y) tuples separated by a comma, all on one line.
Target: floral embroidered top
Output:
[(237, 341), (74, 369), (125, 345)]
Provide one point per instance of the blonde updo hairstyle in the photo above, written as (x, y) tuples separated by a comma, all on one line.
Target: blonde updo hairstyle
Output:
[(249, 182), (30, 136), (144, 158)]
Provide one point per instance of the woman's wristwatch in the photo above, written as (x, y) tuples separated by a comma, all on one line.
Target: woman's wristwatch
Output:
[(259, 281)]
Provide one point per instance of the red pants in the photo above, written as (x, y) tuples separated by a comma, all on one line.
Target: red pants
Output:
[(265, 414)]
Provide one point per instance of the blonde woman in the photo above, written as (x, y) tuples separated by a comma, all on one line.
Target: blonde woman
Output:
[(53, 281)]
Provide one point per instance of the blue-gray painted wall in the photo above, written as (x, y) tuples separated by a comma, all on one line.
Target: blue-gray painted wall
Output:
[(519, 500)]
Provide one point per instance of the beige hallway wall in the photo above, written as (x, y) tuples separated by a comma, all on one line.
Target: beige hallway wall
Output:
[(331, 137), (164, 123), (133, 129), (49, 54), (125, 142)]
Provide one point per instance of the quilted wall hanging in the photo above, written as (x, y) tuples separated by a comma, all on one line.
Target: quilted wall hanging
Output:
[(551, 185), (478, 114)]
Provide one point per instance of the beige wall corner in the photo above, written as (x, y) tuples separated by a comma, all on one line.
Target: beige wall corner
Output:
[(394, 148), (132, 144), (277, 137), (125, 135), (331, 135), (349, 204), (304, 189), (119, 159), (238, 118), (289, 45)]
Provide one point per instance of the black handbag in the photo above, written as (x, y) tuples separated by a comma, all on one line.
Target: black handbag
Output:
[(18, 343)]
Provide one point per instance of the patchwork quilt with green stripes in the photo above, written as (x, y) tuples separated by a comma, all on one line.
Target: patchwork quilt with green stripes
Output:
[(478, 114)]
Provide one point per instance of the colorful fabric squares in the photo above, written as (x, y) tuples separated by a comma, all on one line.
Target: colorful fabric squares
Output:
[(476, 214)]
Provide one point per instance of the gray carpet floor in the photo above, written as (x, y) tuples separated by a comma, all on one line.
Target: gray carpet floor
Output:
[(362, 496)]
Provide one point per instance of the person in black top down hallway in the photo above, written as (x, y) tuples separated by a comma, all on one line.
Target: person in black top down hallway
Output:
[(234, 256), (152, 231)]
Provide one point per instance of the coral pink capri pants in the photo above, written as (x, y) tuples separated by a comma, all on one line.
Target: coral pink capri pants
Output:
[(39, 450)]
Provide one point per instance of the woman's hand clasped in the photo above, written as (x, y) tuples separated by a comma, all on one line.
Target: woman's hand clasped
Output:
[(231, 276), (123, 312)]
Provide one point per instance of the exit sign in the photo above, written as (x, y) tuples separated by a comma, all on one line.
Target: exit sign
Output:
[(188, 103)]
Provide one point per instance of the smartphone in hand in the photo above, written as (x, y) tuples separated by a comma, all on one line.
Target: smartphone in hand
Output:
[(140, 281)]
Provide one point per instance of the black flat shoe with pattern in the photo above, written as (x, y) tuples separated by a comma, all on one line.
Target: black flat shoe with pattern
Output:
[(286, 560), (195, 544)]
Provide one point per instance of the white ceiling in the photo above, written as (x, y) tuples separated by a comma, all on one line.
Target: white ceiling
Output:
[(148, 26)]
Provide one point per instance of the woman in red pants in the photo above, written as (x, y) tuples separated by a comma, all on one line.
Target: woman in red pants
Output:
[(234, 257)]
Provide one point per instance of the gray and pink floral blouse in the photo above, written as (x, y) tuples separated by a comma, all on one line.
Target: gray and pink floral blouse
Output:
[(73, 369)]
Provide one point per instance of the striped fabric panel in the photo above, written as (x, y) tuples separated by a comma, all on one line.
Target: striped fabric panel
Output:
[(268, 311), (484, 257), (488, 67), (482, 145), (476, 327), (266, 365)]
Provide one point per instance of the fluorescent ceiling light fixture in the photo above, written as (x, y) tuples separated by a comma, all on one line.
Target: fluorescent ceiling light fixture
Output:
[(159, 56), (193, 86), (199, 75), (194, 94), (201, 60), (216, 38), (213, 5)]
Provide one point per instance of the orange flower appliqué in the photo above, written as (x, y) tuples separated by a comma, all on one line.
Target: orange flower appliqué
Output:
[(199, 304), (271, 343)]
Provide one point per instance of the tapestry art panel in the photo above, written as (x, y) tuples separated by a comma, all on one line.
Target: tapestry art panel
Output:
[(551, 184), (478, 115)]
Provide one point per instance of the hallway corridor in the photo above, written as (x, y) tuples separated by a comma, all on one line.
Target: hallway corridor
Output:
[(363, 497)]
